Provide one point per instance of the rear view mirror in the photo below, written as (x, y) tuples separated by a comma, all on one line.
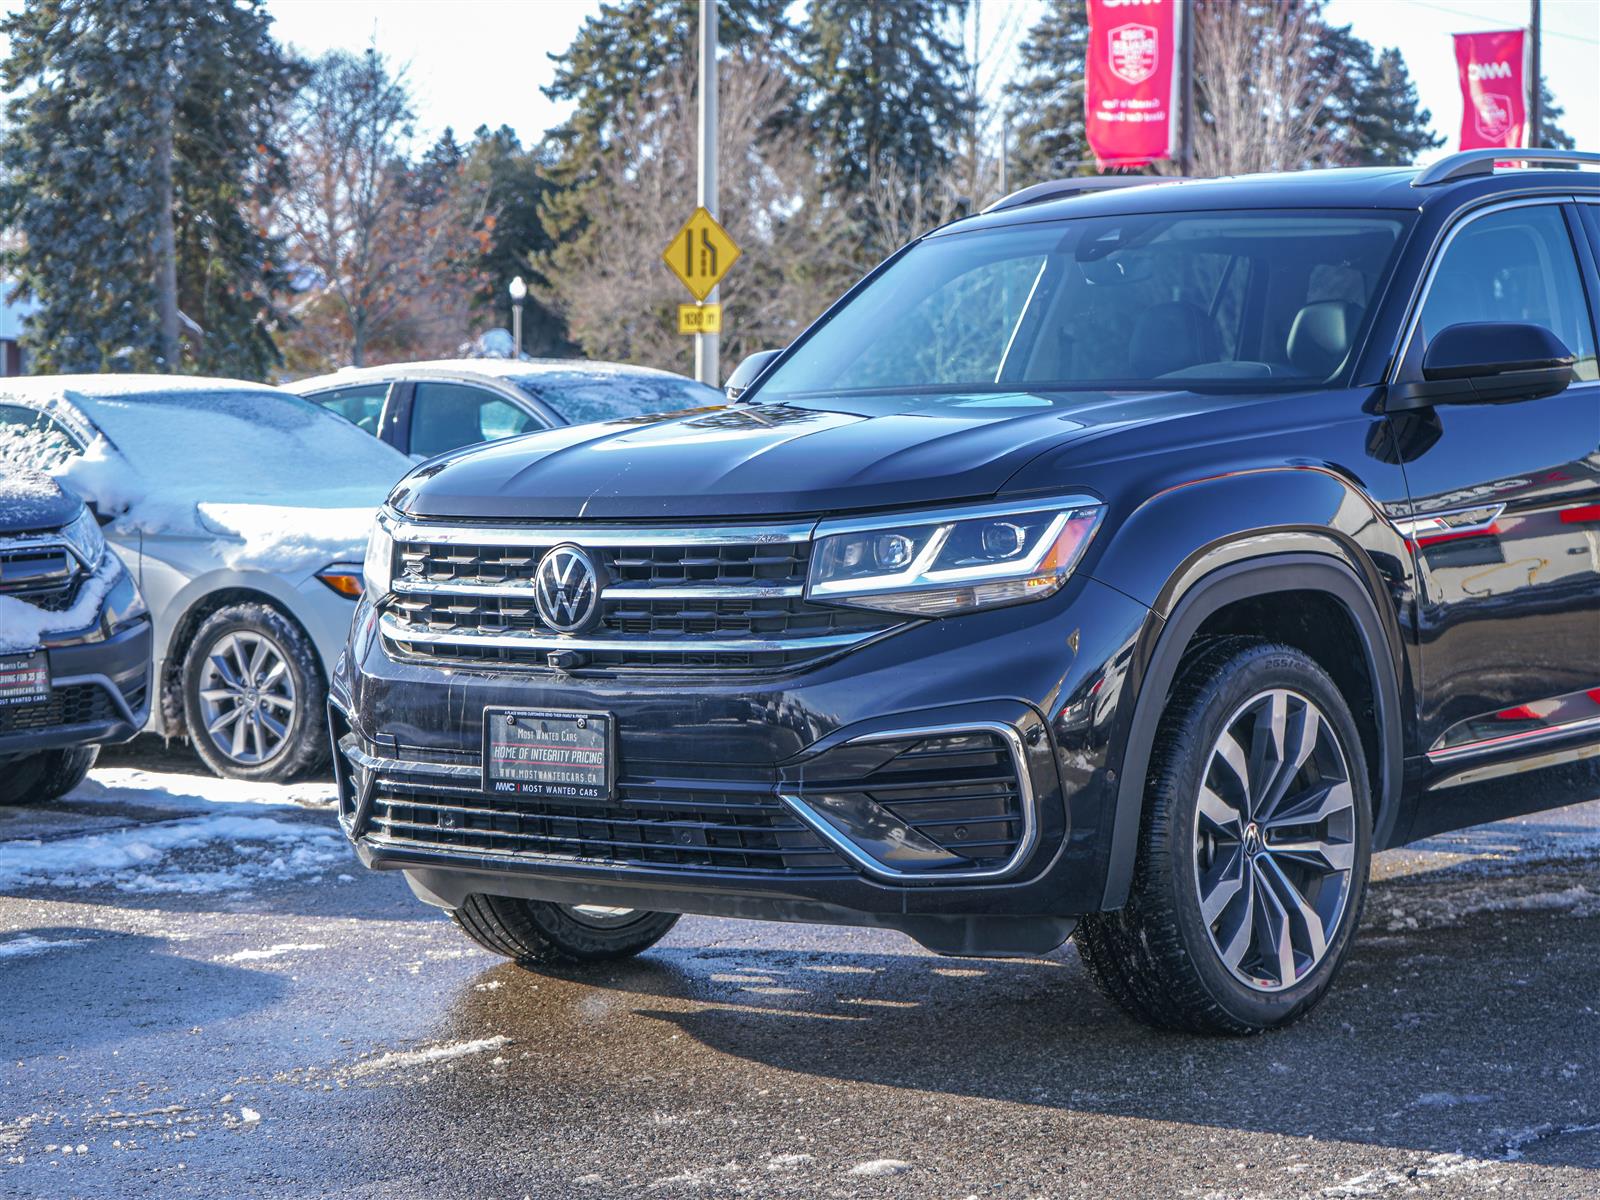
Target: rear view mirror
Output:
[(1487, 362), (745, 373)]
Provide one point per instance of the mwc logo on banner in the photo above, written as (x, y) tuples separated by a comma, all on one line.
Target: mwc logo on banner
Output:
[(1494, 91), (1131, 102)]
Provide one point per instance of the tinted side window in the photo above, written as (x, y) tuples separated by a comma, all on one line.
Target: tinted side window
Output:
[(1514, 265), (447, 415), (359, 403), (31, 439)]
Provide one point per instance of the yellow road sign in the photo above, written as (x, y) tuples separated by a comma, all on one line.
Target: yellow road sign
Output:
[(699, 318), (700, 253)]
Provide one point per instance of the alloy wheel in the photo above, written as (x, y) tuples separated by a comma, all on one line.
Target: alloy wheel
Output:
[(1275, 840), (247, 697)]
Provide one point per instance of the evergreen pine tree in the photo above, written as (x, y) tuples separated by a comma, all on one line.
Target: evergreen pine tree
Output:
[(139, 158), (887, 87), (1373, 111), (1048, 139), (1551, 135)]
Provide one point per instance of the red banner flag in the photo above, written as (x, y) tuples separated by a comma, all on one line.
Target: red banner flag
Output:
[(1494, 94), (1131, 88)]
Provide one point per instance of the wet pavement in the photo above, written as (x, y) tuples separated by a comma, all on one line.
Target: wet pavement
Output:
[(237, 1009)]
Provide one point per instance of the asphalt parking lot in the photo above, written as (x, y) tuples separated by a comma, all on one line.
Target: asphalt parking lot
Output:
[(204, 995)]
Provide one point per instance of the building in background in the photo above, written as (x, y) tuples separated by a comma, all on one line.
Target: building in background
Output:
[(12, 314)]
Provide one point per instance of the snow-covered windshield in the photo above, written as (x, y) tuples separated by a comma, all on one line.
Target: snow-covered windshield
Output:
[(581, 396)]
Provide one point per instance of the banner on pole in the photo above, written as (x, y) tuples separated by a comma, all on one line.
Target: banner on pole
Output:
[(1131, 87), (1494, 89)]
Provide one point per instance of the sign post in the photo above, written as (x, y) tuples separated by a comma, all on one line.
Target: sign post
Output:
[(707, 346)]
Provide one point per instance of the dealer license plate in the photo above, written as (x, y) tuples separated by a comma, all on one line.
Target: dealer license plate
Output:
[(548, 752), (24, 679)]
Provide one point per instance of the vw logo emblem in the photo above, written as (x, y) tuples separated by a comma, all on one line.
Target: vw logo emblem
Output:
[(566, 589)]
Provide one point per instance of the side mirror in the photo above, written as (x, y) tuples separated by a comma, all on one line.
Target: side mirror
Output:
[(1487, 362), (745, 373)]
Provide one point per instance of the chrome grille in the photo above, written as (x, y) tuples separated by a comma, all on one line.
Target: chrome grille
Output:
[(40, 572), (712, 598)]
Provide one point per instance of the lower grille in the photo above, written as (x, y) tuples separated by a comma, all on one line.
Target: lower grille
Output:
[(673, 827), (79, 704)]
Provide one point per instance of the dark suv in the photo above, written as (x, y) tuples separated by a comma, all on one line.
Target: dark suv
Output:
[(1130, 561), (74, 640)]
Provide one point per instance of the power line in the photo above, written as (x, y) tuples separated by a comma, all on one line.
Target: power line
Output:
[(1547, 31)]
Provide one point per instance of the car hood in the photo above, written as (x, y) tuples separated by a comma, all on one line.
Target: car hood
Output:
[(807, 456), (30, 502)]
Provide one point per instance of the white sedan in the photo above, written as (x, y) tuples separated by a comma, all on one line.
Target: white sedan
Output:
[(243, 511)]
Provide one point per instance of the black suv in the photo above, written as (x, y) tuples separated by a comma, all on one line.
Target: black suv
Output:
[(1132, 561), (74, 641)]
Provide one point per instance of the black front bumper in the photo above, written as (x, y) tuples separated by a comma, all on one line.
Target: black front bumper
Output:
[(100, 694), (408, 733)]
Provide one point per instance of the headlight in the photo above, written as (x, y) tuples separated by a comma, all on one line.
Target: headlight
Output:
[(377, 568), (84, 536), (951, 562)]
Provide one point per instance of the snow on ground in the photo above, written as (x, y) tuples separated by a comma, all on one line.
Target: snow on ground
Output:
[(277, 951), (190, 856), (400, 1060), (19, 947), (196, 793)]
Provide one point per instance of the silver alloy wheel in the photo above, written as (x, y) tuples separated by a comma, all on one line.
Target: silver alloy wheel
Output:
[(1275, 840), (247, 698), (598, 916)]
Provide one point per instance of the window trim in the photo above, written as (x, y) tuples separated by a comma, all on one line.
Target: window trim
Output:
[(1402, 359)]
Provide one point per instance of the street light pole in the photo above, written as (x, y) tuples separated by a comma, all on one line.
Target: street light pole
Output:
[(1536, 87), (707, 346), (519, 293)]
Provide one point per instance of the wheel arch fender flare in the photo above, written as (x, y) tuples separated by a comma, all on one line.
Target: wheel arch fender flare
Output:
[(1328, 572)]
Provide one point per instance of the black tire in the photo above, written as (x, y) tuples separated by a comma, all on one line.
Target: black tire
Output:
[(536, 933), (304, 746), (1158, 958), (45, 776)]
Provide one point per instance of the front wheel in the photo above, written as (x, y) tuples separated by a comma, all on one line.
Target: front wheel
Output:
[(1254, 848), (253, 695), (45, 776), (538, 933)]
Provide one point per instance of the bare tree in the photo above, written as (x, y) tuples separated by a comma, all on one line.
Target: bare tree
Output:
[(1260, 87), (378, 265), (620, 301)]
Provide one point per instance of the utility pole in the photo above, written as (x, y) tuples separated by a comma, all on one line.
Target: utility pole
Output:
[(1535, 86), (707, 346), (1186, 153)]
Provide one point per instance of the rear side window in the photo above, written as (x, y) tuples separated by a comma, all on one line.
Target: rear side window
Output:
[(360, 403), (445, 416), (1514, 265)]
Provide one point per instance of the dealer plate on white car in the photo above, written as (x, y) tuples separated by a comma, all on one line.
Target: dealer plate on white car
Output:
[(548, 752), (24, 679)]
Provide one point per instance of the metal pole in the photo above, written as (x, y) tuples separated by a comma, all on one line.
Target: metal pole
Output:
[(1005, 152), (707, 346), (516, 329), (1187, 151), (1535, 88)]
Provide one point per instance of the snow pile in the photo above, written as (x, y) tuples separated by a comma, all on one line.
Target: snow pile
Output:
[(403, 1059), (29, 944), (271, 537), (145, 859), (197, 793), (881, 1166), (102, 475), (24, 626)]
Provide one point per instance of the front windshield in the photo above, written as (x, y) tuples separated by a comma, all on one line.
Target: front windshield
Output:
[(1252, 299), (581, 397)]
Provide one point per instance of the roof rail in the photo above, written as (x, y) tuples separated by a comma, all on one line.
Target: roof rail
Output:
[(1470, 163), (1060, 189)]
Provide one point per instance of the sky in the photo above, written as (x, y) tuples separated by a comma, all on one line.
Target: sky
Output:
[(473, 62)]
